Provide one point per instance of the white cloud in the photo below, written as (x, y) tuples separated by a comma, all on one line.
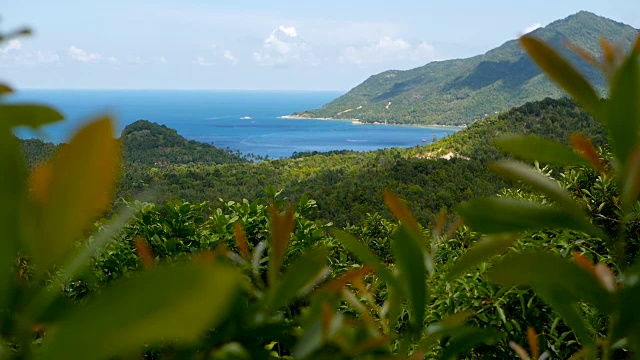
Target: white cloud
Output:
[(289, 30), (388, 50), (228, 55), (43, 57), (113, 60), (283, 47), (202, 61), (14, 54), (82, 55), (530, 28), (13, 45), (217, 57)]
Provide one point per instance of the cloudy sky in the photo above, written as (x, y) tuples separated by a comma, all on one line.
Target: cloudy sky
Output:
[(268, 45)]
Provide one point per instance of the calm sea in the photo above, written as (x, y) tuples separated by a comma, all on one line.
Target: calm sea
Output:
[(240, 120)]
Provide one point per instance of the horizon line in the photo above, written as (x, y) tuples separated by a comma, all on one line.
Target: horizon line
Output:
[(178, 89)]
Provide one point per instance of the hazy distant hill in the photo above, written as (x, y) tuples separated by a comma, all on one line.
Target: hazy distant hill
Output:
[(463, 90)]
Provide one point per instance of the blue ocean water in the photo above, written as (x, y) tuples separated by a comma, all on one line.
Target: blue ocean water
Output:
[(248, 121)]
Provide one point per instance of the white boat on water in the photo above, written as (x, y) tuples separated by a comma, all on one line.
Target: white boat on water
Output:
[(245, 118)]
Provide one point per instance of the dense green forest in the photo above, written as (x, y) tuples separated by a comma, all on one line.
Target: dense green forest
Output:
[(460, 91), (161, 165)]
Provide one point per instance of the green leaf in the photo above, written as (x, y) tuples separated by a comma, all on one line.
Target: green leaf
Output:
[(564, 304), (481, 252), (312, 339), (34, 116), (449, 325), (364, 254), (305, 271), (410, 259), (564, 74), (72, 189), (175, 304), (501, 215), (280, 228), (518, 171), (5, 89), (12, 193), (536, 148), (465, 339), (544, 270), (623, 109), (631, 188)]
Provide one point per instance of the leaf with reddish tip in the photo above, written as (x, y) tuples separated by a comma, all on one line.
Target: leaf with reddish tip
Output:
[(280, 226), (534, 345), (241, 241), (400, 210), (586, 149), (536, 148), (71, 190), (144, 252)]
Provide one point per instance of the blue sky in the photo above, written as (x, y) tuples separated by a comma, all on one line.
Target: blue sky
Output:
[(268, 45)]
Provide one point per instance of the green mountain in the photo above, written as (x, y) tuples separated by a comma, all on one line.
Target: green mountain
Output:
[(456, 92)]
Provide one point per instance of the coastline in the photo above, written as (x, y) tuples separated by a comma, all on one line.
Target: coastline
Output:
[(355, 121)]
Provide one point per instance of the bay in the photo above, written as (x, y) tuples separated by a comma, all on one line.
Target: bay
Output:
[(246, 121)]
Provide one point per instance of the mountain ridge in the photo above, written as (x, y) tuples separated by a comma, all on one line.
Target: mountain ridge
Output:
[(460, 91)]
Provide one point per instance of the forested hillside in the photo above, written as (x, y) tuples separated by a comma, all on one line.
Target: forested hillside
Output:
[(348, 185), (456, 92), (162, 165), (145, 143), (148, 143)]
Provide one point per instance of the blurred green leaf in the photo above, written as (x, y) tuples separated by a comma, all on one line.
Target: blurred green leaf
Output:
[(280, 226), (12, 193), (516, 170), (410, 259), (364, 254), (564, 303), (305, 271), (481, 252), (5, 89), (466, 338), (448, 325), (162, 304), (631, 188), (623, 110), (564, 74), (312, 339), (34, 116), (542, 270), (628, 322), (500, 215), (536, 148), (400, 211), (72, 189)]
